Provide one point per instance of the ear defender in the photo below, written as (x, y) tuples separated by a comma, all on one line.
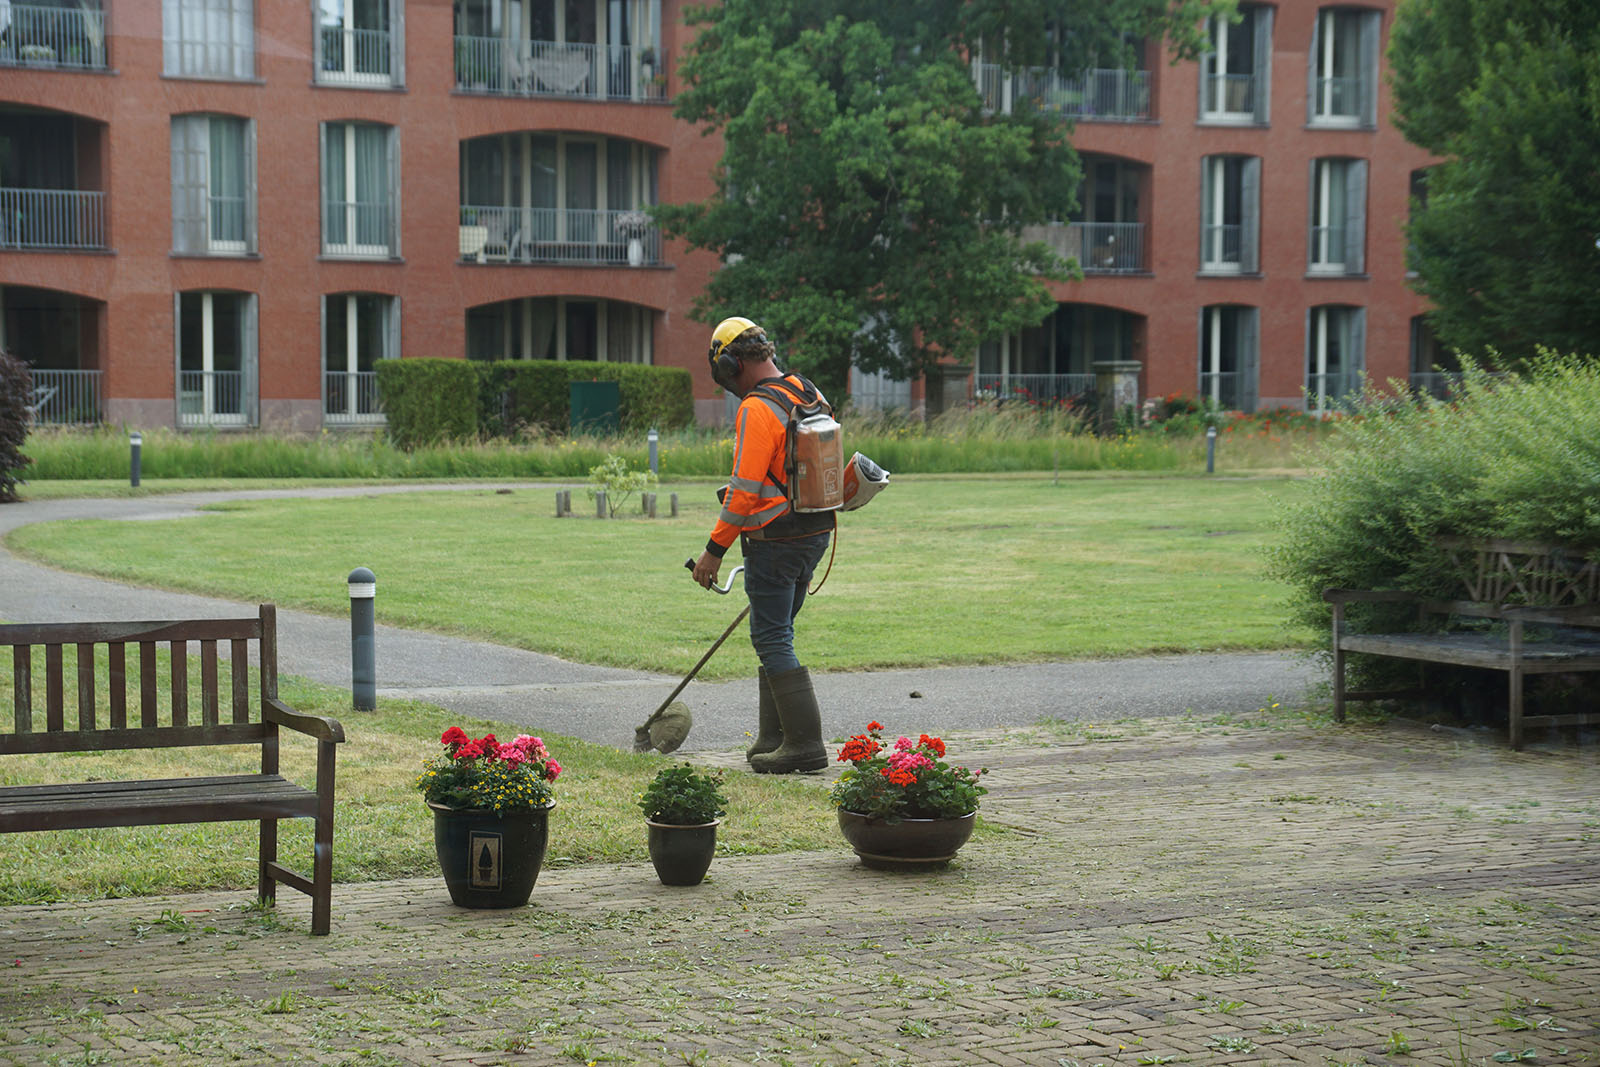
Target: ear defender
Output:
[(724, 365)]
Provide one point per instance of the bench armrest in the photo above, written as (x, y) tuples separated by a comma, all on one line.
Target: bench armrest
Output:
[(317, 726), (1369, 596)]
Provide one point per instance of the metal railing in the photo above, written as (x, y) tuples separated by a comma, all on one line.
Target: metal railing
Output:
[(1098, 247), (1327, 248), (1328, 392), (211, 398), (1094, 95), (1338, 99), (52, 218), (71, 38), (1222, 388), (352, 56), (351, 397), (357, 228), (1230, 94), (557, 235), (1224, 246), (228, 222), (66, 397), (1031, 388), (506, 67)]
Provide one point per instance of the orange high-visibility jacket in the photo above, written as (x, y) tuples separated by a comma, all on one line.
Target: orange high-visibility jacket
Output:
[(755, 497)]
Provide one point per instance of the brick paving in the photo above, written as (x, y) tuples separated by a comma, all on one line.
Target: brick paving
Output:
[(1154, 892)]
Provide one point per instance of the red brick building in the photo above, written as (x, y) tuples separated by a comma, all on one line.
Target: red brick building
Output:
[(223, 212)]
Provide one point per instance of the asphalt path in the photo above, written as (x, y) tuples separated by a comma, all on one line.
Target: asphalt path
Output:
[(604, 704)]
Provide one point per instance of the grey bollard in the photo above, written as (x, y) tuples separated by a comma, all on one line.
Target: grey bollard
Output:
[(674, 499), (558, 503), (1211, 449), (135, 446), (566, 502), (363, 662), (653, 438), (650, 504), (600, 504)]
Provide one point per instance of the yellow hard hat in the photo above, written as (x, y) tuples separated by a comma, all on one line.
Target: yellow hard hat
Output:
[(727, 330)]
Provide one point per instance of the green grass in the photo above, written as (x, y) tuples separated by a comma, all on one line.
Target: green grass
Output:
[(939, 570), (382, 829)]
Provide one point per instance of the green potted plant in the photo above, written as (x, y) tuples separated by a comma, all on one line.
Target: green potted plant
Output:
[(491, 804), (683, 808), (904, 807)]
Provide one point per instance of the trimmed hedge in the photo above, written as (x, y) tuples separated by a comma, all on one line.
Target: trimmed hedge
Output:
[(16, 394), (428, 401), (432, 400)]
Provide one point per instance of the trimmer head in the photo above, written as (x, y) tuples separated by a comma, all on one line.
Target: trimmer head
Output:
[(665, 732)]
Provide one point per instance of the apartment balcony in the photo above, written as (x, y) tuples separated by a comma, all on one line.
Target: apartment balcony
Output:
[(1048, 389), (350, 398), (351, 56), (53, 220), (1096, 95), (53, 37), (504, 67), (529, 235), (65, 397), (1098, 247), (211, 398)]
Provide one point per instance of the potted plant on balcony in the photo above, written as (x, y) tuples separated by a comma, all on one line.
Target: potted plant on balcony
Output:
[(647, 64), (682, 808), (491, 804), (632, 226), (904, 808)]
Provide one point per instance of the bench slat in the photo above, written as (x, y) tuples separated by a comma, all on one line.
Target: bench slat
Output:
[(1474, 650), (135, 738), (99, 633), (147, 684), (208, 683), (161, 802), (180, 683), (240, 671), (85, 686), (22, 688), (54, 716), (117, 683)]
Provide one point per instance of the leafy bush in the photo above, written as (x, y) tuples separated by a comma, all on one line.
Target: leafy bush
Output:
[(16, 396), (1515, 457), (537, 393), (428, 401), (683, 796), (618, 482)]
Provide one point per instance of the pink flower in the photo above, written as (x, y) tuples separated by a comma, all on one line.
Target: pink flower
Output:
[(903, 745), (909, 761), (551, 770)]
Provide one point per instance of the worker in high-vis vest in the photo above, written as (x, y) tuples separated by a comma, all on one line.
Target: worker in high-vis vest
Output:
[(781, 546)]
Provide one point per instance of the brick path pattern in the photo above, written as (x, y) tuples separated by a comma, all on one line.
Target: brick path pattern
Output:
[(1145, 892)]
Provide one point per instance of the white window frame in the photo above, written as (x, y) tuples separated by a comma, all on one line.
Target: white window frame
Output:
[(193, 224), (189, 49), (208, 415), (1214, 91), (352, 246), (1350, 226), (1326, 324), (389, 338), (1245, 355), (1214, 186), (348, 76), (1362, 111)]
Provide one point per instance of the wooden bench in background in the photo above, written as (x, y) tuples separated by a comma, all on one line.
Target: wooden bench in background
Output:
[(222, 718), (1506, 586)]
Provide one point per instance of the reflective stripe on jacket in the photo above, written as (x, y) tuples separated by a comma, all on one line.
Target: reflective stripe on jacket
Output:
[(755, 495)]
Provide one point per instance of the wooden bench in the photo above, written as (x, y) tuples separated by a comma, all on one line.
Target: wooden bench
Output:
[(224, 718), (1506, 586)]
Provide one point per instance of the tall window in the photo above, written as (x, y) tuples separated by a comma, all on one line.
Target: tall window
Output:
[(208, 38), (1338, 216), (359, 42), (1336, 344), (360, 196), (216, 357), (358, 330), (1435, 369), (1230, 193), (1343, 89), (213, 185), (1236, 74), (1230, 344), (561, 328)]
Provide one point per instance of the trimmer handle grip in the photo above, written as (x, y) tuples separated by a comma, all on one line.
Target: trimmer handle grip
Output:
[(714, 587)]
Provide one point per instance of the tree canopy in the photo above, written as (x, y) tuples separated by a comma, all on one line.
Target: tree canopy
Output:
[(1507, 242), (868, 208)]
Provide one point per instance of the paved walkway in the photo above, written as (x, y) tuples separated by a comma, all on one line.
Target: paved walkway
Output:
[(1169, 894)]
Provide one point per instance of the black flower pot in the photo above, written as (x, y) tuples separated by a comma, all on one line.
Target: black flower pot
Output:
[(490, 860), (682, 854), (906, 845)]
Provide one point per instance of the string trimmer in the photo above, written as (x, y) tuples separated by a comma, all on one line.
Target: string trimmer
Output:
[(666, 729)]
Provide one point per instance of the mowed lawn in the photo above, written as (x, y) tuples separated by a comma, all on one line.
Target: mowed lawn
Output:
[(938, 570)]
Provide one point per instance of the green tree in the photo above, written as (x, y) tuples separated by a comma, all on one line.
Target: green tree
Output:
[(867, 207), (1508, 92)]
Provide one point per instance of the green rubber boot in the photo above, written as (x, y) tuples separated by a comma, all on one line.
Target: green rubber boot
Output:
[(769, 731), (802, 748)]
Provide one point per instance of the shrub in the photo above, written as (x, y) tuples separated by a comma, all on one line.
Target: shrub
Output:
[(519, 394), (16, 398), (428, 401), (618, 482), (683, 796), (1516, 457)]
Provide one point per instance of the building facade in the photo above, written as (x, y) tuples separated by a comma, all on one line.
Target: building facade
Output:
[(223, 213)]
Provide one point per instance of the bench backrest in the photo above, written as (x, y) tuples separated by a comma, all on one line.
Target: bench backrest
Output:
[(1495, 573), (159, 716)]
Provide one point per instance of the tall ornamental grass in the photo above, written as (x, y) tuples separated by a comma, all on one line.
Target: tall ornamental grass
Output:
[(1514, 456)]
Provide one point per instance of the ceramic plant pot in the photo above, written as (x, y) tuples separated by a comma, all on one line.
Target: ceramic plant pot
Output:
[(490, 860), (682, 854), (910, 844)]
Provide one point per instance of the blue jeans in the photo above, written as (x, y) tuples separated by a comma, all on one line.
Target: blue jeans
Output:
[(776, 574)]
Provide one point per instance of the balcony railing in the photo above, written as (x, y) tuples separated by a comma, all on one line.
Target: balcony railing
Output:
[(59, 219), (357, 228), (1230, 95), (66, 397), (557, 235), (1338, 100), (1222, 388), (354, 57), (1327, 392), (67, 38), (351, 397), (1095, 95), (1224, 247), (1098, 247), (550, 68), (1051, 389), (211, 398), (1327, 249)]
